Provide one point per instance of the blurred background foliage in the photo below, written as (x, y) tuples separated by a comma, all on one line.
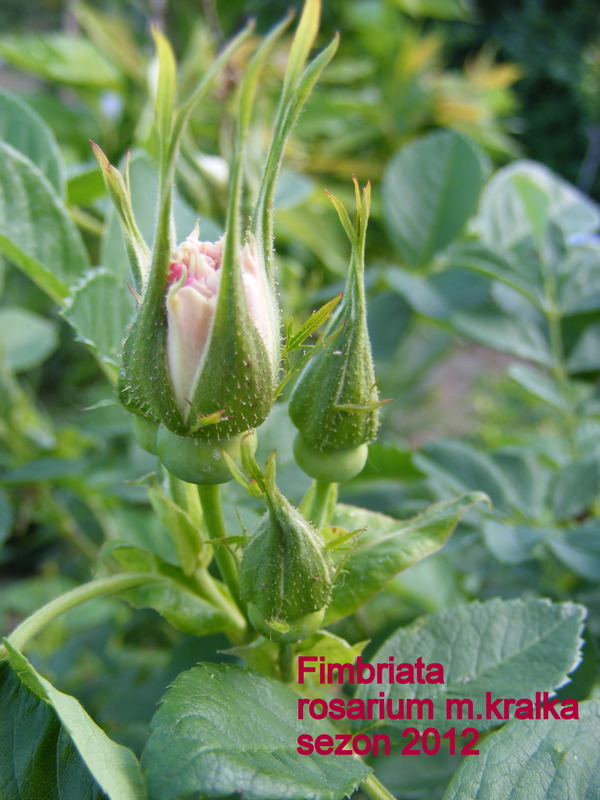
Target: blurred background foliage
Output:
[(483, 280)]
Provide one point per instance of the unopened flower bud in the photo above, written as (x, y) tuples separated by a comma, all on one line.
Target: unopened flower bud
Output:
[(335, 403), (193, 288), (203, 359), (283, 574)]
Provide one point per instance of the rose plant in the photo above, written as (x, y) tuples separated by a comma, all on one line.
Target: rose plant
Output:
[(204, 375)]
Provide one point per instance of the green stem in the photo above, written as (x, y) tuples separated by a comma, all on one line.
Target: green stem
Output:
[(376, 790), (324, 499), (210, 499), (286, 662), (210, 591), (103, 586)]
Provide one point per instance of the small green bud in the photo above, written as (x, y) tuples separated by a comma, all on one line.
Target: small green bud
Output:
[(335, 403), (283, 573), (199, 462)]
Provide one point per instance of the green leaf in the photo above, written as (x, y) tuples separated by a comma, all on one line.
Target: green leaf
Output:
[(111, 765), (417, 291), (576, 488), (511, 544), (113, 38), (503, 222), (511, 648), (84, 185), (430, 189), (388, 546), (43, 469), (504, 333), (26, 339), (333, 649), (579, 289), (536, 204), (61, 58), (167, 85), (585, 355), (6, 516), (99, 308), (221, 730), (37, 757), (23, 129), (438, 9), (539, 384), (313, 323), (579, 549), (459, 467), (389, 462), (304, 38), (481, 259), (36, 232), (173, 594), (184, 533), (535, 760)]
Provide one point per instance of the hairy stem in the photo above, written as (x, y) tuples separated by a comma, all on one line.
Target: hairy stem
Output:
[(319, 503), (286, 662), (376, 790), (210, 499), (210, 591)]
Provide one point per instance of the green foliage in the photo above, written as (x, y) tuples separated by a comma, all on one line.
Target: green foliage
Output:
[(543, 756), (73, 738), (505, 648), (386, 547), (430, 190), (469, 538), (240, 730)]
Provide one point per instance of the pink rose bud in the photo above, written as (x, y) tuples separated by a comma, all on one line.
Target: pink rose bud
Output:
[(193, 288)]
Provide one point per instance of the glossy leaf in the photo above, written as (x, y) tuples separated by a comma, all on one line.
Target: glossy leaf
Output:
[(508, 648), (535, 760), (221, 730), (387, 546), (430, 189)]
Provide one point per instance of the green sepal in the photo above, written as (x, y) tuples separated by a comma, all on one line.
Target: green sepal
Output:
[(144, 385)]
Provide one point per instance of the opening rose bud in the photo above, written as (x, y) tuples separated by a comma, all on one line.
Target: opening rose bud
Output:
[(193, 288)]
